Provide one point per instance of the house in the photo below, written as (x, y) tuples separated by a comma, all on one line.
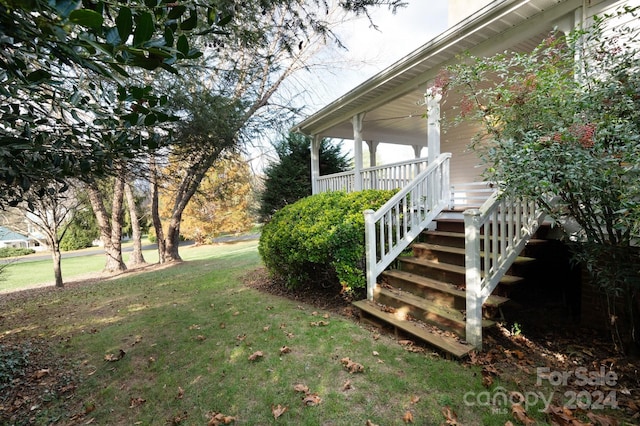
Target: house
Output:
[(9, 238), (439, 183)]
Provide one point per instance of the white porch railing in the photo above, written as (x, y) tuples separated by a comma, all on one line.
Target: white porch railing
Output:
[(392, 176), (503, 225), (389, 176), (471, 194), (390, 229)]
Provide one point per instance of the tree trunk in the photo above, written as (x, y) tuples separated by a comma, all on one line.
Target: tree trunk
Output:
[(155, 206), (173, 241), (114, 261), (136, 257), (57, 270)]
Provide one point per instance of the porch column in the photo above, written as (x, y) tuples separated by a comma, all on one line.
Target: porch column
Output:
[(417, 151), (373, 147), (433, 97), (357, 151), (315, 163)]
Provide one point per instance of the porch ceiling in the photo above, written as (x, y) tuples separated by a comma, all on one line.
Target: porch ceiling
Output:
[(392, 99)]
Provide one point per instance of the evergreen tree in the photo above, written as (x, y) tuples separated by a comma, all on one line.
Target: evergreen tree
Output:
[(289, 178)]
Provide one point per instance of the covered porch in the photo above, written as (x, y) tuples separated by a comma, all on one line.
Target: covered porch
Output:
[(404, 106)]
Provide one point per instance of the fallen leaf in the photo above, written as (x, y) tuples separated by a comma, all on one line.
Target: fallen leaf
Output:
[(222, 325), (137, 340), (41, 373), (347, 385), (180, 393), (136, 402), (450, 416), (256, 356), (201, 338), (113, 357), (266, 328), (405, 342), (236, 313), (508, 423), (352, 367), (220, 419), (301, 388), (278, 410), (194, 327), (311, 400), (370, 423), (521, 415), (285, 350), (376, 353), (408, 417), (602, 420), (415, 399)]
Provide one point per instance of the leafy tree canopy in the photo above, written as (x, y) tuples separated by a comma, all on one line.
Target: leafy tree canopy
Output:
[(72, 96)]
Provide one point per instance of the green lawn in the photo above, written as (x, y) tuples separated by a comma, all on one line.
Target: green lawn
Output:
[(189, 331)]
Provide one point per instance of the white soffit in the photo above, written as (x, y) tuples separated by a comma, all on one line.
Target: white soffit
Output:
[(391, 99)]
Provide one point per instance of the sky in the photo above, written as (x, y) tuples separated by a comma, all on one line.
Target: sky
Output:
[(370, 51)]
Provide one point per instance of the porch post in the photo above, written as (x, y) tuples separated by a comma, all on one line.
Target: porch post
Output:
[(473, 283), (357, 150), (373, 147), (417, 151), (433, 97), (315, 163)]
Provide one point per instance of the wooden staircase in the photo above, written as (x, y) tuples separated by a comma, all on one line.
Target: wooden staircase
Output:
[(423, 294)]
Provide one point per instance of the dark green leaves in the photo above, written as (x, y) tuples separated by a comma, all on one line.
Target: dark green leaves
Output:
[(124, 23), (144, 28), (86, 18)]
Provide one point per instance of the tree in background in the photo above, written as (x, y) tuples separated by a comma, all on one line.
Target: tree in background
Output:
[(289, 178), (562, 127), (83, 229), (221, 203)]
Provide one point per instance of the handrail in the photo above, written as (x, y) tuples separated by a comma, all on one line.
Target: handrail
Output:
[(388, 176), (390, 229), (502, 226)]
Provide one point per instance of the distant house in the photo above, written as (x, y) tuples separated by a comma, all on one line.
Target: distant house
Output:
[(9, 238)]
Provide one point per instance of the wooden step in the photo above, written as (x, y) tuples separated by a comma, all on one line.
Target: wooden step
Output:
[(436, 291), (456, 255), (453, 274), (451, 239), (416, 307), (448, 344)]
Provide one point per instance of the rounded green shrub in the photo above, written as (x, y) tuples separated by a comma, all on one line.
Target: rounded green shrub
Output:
[(319, 239), (14, 251)]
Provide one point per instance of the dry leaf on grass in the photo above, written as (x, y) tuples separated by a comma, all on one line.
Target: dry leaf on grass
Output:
[(285, 350), (563, 416), (220, 419), (301, 388), (352, 367), (201, 338), (114, 357), (256, 356), (347, 385), (521, 415), (136, 402), (311, 399), (370, 423), (415, 399), (408, 417), (278, 410), (180, 393), (450, 416)]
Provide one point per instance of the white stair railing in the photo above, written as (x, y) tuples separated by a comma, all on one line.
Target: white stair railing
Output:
[(390, 229), (502, 226)]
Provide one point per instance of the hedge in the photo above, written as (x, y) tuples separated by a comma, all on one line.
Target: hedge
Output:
[(319, 240)]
